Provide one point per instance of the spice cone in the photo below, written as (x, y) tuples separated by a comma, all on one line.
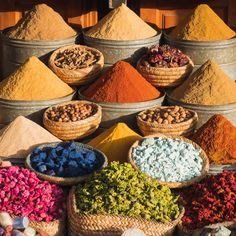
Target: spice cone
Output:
[(33, 81), (41, 23), (21, 136), (209, 85), (202, 25), (115, 142), (121, 24)]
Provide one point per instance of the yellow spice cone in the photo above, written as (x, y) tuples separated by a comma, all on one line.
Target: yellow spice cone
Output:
[(115, 142)]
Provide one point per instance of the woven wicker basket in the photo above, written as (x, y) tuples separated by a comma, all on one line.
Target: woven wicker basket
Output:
[(80, 76), (70, 180), (183, 231), (54, 228), (165, 77), (205, 166), (73, 130), (111, 225), (184, 128)]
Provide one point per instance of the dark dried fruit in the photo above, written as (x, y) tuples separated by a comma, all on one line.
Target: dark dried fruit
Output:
[(164, 57)]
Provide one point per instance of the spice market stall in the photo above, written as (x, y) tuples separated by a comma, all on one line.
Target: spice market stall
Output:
[(114, 134)]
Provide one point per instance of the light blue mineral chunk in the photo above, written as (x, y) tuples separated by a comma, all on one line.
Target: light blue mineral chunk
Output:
[(166, 159)]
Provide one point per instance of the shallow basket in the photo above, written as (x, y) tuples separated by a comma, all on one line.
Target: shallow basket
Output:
[(185, 128), (113, 225), (54, 228), (205, 166), (67, 181), (165, 77), (73, 130), (80, 76), (184, 231)]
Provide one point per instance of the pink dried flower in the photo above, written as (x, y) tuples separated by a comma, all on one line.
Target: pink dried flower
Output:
[(23, 194)]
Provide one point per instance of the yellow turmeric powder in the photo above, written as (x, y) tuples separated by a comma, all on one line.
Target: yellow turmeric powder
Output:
[(115, 142), (202, 25), (33, 81)]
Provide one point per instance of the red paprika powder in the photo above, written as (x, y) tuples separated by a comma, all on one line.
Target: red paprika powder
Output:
[(122, 83), (210, 201), (217, 138)]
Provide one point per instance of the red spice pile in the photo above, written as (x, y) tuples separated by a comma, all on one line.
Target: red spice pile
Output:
[(121, 84), (217, 138), (211, 201)]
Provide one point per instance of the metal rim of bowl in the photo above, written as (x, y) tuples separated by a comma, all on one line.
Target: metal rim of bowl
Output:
[(54, 144), (120, 105), (39, 42), (201, 107), (35, 102), (195, 43), (122, 42)]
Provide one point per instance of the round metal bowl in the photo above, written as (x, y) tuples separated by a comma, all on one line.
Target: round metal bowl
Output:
[(222, 51), (113, 113), (67, 181), (10, 109), (116, 50), (205, 112), (16, 51)]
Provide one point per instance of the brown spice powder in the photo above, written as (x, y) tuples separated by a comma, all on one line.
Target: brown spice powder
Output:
[(208, 85)]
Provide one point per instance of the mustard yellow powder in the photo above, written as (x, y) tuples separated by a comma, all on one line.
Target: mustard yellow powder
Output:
[(202, 25), (33, 81), (115, 142)]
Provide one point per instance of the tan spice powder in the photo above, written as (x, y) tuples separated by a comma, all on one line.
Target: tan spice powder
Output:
[(121, 24), (209, 85), (41, 23), (21, 136), (202, 25)]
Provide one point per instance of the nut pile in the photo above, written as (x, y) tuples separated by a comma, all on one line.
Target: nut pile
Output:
[(166, 115), (77, 58), (164, 57), (71, 112)]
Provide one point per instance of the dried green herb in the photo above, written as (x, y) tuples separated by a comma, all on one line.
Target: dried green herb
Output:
[(119, 189)]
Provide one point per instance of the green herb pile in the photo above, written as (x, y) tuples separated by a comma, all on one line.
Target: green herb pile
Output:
[(120, 190)]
